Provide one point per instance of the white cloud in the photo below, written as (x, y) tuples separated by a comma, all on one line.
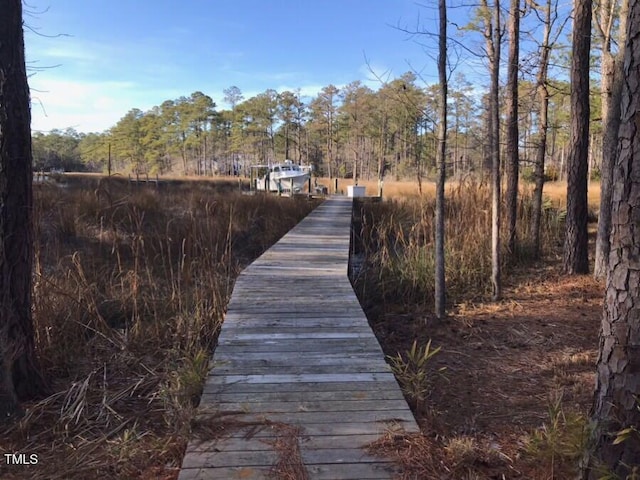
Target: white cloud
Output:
[(305, 90), (69, 52), (85, 106)]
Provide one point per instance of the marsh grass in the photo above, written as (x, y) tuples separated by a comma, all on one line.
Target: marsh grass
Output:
[(130, 289), (398, 239), (413, 371), (557, 445)]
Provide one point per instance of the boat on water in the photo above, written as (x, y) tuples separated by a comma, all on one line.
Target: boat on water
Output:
[(283, 177)]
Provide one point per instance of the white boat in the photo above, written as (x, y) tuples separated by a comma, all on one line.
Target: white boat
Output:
[(282, 177)]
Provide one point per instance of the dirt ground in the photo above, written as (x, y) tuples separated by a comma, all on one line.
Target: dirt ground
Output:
[(507, 366)]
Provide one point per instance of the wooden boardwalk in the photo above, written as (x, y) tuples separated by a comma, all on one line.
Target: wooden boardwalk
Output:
[(298, 379)]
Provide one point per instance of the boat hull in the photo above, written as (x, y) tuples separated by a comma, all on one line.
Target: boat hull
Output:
[(284, 183), (282, 177)]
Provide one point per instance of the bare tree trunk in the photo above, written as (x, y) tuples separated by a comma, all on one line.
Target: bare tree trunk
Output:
[(286, 141), (541, 151), (543, 127), (183, 151), (440, 287), (330, 145), (382, 164), (19, 377), (418, 155), (576, 253), (616, 406), (204, 153), (492, 37), (355, 165), (610, 90), (512, 162)]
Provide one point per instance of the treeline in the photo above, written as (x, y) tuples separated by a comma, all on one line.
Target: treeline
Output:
[(342, 132)]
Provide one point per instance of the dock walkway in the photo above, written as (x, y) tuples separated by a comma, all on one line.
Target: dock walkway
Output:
[(298, 381)]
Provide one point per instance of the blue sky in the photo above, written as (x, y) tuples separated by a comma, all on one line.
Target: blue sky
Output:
[(93, 60)]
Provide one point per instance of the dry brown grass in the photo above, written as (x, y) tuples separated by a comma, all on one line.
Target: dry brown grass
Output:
[(397, 189), (557, 192), (284, 439), (398, 241), (392, 189), (289, 465), (416, 455), (428, 456), (402, 189)]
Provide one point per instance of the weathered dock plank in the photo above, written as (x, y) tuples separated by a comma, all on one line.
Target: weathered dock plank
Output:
[(303, 390), (297, 361)]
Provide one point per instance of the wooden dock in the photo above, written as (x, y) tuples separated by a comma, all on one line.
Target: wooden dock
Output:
[(298, 382)]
